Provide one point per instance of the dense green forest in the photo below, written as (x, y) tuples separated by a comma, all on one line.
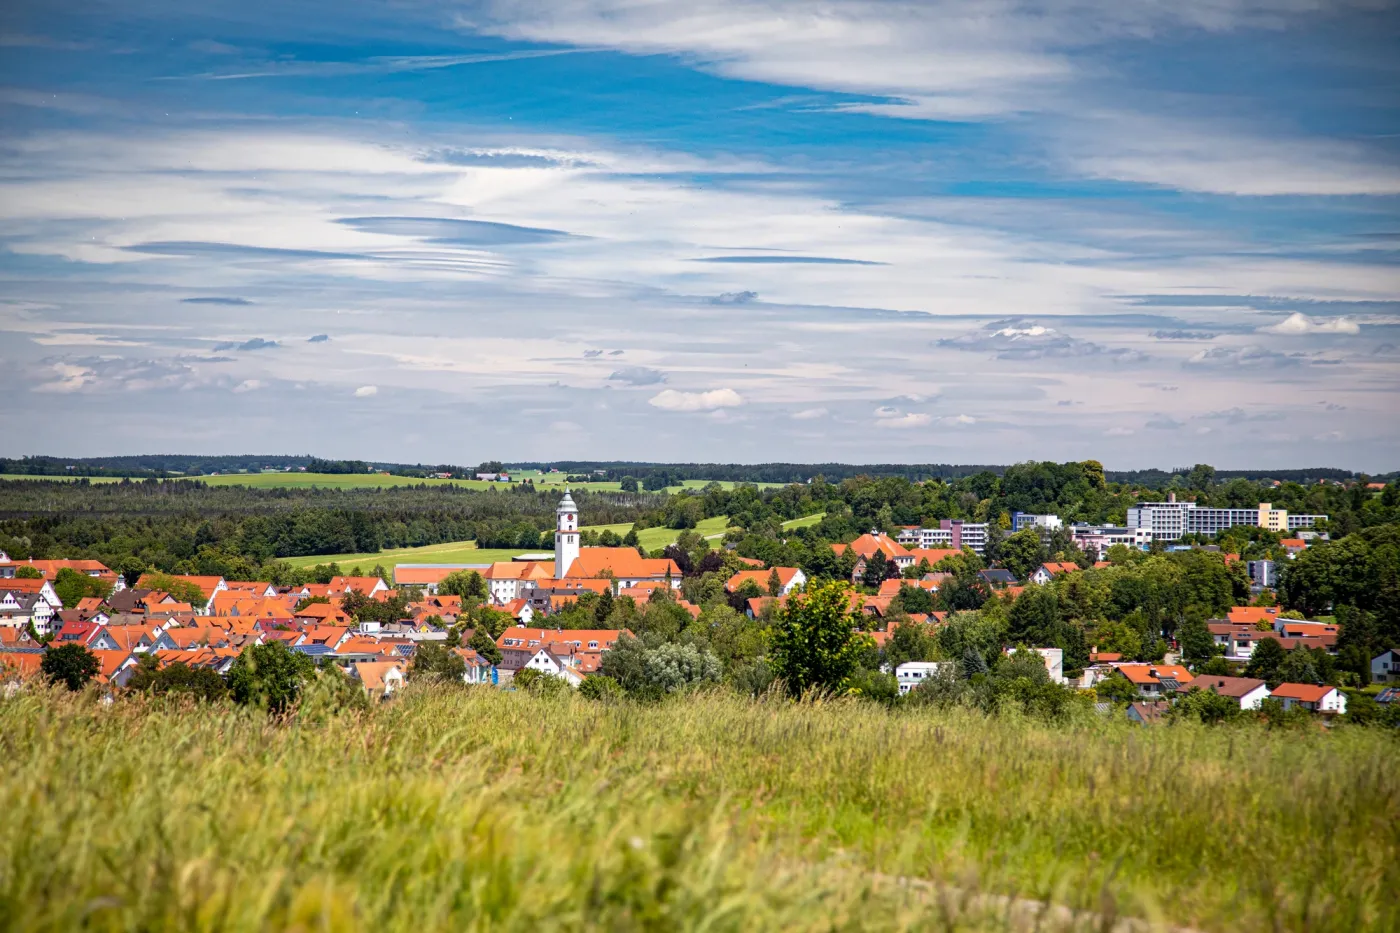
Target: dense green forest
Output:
[(191, 527)]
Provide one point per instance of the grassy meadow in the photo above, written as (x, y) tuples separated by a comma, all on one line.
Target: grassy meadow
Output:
[(466, 552), (477, 809), (449, 552)]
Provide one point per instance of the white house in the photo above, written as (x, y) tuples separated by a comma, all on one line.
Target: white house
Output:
[(1054, 659), (547, 662), (911, 674), (1316, 698), (1247, 690), (1385, 668)]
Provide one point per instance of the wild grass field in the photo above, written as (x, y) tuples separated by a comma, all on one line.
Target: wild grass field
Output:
[(475, 809)]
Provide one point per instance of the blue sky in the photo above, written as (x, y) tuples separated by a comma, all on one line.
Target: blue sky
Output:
[(1155, 234)]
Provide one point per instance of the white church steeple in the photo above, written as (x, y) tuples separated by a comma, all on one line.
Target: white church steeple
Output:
[(565, 536)]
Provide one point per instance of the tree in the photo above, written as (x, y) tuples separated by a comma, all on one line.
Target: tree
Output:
[(815, 643), (1197, 643), (876, 569), (1201, 477), (1022, 552), (202, 683), (973, 663), (910, 641), (1265, 662), (71, 665), (1298, 668), (437, 663), (485, 646), (915, 599), (671, 667), (270, 675), (71, 586), (775, 583), (183, 590), (467, 584), (27, 572), (629, 484), (1205, 706), (1116, 689)]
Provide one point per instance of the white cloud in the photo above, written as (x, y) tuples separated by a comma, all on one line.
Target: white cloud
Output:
[(809, 414), (673, 400), (912, 419), (962, 419), (1298, 324), (248, 385), (366, 391), (1118, 432)]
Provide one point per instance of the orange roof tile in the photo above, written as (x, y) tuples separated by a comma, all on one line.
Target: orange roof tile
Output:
[(1306, 693)]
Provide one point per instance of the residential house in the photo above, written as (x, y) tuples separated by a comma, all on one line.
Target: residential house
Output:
[(548, 662), (380, 678), (997, 577), (366, 586), (1155, 680), (89, 568), (868, 545), (1146, 713), (428, 576), (1048, 571), (208, 586), (1316, 698), (1385, 667), (26, 587), (19, 610), (90, 635), (479, 670), (911, 674), (1054, 659), (1249, 692), (789, 579)]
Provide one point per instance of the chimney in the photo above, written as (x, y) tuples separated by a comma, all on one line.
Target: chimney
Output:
[(1152, 672)]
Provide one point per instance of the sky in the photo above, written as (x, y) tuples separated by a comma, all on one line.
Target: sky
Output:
[(1153, 234)]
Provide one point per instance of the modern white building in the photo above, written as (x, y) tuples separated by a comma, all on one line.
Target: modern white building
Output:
[(1054, 659), (911, 674), (950, 533), (1046, 523), (1097, 539), (1170, 520)]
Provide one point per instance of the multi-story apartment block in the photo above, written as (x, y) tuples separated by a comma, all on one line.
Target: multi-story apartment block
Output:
[(1046, 523), (1170, 520), (951, 532), (1097, 539)]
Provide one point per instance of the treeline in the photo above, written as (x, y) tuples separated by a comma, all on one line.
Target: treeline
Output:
[(615, 470), (189, 527)]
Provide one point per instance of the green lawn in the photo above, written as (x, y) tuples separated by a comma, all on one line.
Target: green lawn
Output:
[(805, 521), (451, 552), (653, 538)]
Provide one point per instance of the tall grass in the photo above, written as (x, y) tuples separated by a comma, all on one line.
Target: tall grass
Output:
[(475, 810)]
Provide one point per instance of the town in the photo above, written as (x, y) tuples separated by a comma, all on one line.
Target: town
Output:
[(951, 611)]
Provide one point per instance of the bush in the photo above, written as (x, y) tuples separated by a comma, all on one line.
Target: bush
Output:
[(599, 687), (539, 682)]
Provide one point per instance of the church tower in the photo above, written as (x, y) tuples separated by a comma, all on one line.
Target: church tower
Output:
[(565, 536)]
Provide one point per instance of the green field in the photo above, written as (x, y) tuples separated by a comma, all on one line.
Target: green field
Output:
[(451, 552), (298, 480), (478, 809), (806, 521), (653, 538), (60, 479)]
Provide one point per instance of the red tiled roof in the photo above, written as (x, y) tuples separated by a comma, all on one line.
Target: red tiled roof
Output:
[(1306, 693), (760, 578), (1143, 673)]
